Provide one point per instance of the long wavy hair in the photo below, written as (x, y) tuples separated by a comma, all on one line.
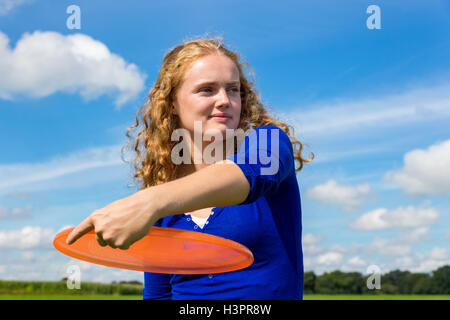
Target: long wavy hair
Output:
[(153, 145)]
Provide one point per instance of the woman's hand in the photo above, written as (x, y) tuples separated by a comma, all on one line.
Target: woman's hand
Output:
[(120, 223)]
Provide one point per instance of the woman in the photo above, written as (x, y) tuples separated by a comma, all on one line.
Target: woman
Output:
[(239, 195)]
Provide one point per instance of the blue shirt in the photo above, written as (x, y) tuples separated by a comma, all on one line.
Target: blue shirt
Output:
[(268, 222)]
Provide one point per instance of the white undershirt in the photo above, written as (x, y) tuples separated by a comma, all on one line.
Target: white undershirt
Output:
[(199, 221)]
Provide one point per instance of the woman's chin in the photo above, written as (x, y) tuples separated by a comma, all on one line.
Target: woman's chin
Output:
[(217, 128)]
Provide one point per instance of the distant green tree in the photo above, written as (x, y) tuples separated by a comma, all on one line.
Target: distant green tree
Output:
[(399, 279), (393, 282), (441, 280), (387, 288), (423, 284), (135, 282), (309, 282), (338, 282)]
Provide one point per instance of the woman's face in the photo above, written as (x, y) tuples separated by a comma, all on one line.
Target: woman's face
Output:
[(210, 94)]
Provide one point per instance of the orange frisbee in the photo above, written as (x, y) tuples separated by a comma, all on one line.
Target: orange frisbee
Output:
[(162, 250)]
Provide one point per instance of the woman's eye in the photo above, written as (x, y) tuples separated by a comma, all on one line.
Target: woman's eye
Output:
[(209, 89)]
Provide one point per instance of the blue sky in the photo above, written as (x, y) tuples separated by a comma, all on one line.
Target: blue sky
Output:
[(373, 106)]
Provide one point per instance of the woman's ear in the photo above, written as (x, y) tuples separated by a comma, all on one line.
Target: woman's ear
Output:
[(174, 110)]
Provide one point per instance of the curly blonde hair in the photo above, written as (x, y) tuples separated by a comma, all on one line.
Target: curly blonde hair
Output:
[(153, 165)]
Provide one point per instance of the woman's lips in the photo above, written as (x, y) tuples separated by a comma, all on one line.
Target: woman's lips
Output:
[(221, 117)]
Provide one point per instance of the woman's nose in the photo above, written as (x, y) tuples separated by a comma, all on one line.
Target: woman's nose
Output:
[(223, 99)]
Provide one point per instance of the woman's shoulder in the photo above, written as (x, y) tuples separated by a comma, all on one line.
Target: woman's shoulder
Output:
[(270, 128), (267, 126)]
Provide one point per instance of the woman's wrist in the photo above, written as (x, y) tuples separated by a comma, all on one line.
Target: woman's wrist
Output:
[(152, 202)]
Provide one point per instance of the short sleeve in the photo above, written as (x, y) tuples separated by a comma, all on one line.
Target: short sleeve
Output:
[(266, 158), (157, 286)]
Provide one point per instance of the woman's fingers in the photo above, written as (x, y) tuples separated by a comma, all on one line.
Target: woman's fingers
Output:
[(86, 226), (83, 228), (101, 241)]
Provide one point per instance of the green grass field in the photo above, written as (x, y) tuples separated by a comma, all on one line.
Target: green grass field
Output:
[(68, 297), (375, 297), (306, 297)]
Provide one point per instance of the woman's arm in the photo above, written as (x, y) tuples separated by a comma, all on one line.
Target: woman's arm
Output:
[(127, 220), (218, 185)]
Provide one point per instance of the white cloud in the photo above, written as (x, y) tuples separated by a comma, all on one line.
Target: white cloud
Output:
[(405, 262), (15, 213), (388, 254), (23, 174), (27, 238), (25, 196), (329, 258), (415, 235), (387, 247), (311, 250), (345, 249), (356, 262), (28, 255), (390, 110), (382, 218), (309, 238), (53, 265), (329, 156), (425, 172), (429, 265), (6, 6), (348, 197), (438, 253), (323, 262), (43, 63)]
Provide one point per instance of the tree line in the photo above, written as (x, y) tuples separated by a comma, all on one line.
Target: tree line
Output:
[(335, 282), (393, 282)]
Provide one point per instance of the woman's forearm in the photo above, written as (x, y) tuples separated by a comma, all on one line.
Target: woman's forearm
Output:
[(127, 220), (218, 185)]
